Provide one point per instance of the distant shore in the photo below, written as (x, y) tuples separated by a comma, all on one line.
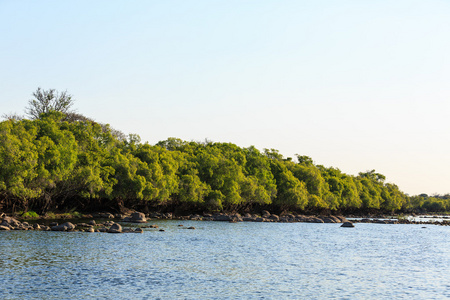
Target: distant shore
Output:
[(104, 221)]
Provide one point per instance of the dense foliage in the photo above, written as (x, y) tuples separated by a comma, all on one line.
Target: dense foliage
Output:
[(53, 162)]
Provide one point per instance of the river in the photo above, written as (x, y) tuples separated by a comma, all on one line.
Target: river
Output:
[(220, 260)]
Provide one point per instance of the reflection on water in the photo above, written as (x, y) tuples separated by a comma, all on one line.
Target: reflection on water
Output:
[(229, 261)]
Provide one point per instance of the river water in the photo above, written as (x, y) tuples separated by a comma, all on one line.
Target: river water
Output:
[(220, 260)]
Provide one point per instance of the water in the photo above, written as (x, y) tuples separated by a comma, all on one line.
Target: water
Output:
[(229, 261)]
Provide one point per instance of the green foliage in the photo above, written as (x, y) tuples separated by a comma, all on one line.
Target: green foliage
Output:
[(62, 160), (29, 215)]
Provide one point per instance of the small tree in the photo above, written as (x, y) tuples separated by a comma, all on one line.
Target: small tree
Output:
[(49, 100)]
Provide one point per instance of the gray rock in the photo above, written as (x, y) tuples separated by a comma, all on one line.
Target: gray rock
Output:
[(168, 215), (64, 227), (328, 220), (347, 224), (104, 215), (222, 217), (274, 218), (92, 222), (115, 228), (136, 217), (265, 214), (195, 217), (316, 220), (10, 221), (109, 223)]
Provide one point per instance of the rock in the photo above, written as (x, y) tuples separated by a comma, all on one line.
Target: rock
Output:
[(109, 223), (153, 226), (222, 217), (168, 215), (10, 221), (316, 220), (115, 228), (155, 215), (92, 222), (64, 227), (139, 230), (347, 224), (265, 214), (161, 230), (192, 227), (90, 229), (4, 227), (102, 229), (342, 219), (104, 215), (274, 218), (136, 217), (301, 218), (45, 228), (380, 221), (53, 224), (195, 217), (328, 220)]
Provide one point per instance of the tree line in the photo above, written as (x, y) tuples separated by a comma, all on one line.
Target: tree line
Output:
[(56, 159)]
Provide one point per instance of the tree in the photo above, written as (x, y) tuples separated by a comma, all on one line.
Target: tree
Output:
[(46, 101)]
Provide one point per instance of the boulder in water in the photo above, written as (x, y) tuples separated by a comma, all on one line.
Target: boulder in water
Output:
[(64, 227), (347, 224), (115, 228)]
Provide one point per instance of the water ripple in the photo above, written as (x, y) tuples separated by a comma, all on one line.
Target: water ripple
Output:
[(229, 261)]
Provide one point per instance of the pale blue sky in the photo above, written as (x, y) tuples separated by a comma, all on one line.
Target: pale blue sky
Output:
[(356, 85)]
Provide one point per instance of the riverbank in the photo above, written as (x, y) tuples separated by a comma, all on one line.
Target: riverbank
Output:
[(108, 222)]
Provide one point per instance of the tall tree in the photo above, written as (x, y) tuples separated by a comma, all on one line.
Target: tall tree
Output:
[(45, 101)]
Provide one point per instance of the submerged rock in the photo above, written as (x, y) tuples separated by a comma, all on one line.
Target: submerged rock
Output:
[(348, 224)]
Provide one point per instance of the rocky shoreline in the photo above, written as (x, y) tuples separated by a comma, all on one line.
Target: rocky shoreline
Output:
[(112, 224)]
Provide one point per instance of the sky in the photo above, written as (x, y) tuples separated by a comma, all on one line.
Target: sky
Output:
[(356, 85)]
